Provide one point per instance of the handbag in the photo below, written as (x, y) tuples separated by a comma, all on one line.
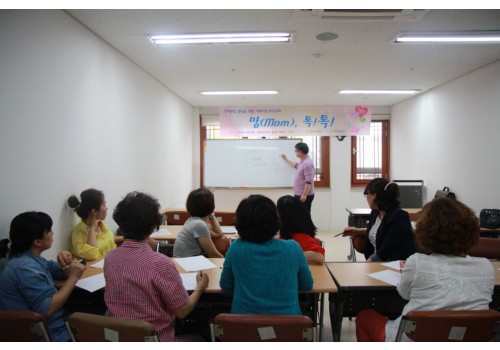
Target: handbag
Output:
[(445, 192), (489, 218)]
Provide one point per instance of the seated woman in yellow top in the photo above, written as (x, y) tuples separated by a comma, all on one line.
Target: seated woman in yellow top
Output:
[(91, 238)]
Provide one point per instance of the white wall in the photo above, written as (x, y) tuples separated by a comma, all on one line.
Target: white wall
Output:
[(76, 114), (449, 136)]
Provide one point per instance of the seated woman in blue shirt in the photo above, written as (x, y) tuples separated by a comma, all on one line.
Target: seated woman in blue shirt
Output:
[(264, 274), (27, 280)]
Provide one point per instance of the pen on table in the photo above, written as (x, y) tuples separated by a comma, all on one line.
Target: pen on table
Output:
[(65, 267)]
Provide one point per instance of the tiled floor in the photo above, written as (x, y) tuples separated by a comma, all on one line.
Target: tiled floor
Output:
[(337, 249)]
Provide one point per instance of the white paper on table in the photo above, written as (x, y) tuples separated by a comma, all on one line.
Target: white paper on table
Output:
[(92, 283), (161, 232), (393, 264), (387, 276), (228, 229), (195, 263), (189, 280), (99, 264)]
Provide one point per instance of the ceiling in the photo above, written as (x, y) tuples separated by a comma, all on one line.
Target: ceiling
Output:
[(305, 72)]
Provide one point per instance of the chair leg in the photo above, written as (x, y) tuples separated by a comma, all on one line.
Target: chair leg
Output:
[(353, 251), (212, 335)]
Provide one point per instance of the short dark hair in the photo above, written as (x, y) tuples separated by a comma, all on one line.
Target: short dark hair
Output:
[(387, 193), (90, 199), (447, 226), (257, 219), (301, 146), (294, 217), (138, 215), (25, 228), (200, 202)]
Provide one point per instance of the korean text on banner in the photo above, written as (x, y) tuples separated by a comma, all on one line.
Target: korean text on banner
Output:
[(290, 121)]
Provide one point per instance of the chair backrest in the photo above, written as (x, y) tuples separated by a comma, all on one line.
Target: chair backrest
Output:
[(22, 325), (486, 248), (320, 242), (446, 325), (222, 244), (165, 247), (96, 328), (358, 242), (176, 217), (257, 328)]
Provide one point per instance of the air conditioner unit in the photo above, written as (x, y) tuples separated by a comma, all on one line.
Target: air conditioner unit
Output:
[(361, 15)]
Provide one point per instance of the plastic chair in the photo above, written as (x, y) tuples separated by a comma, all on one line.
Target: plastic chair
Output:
[(22, 325), (222, 244), (446, 325), (486, 248), (320, 242), (258, 328), (165, 247), (96, 328), (357, 240)]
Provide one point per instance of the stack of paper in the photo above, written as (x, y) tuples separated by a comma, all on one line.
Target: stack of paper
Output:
[(161, 232), (195, 263)]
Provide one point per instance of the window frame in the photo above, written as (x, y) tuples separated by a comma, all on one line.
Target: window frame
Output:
[(386, 133)]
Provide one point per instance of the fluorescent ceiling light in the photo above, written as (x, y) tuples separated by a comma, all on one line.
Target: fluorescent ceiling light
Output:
[(470, 37), (268, 92), (220, 38), (395, 92)]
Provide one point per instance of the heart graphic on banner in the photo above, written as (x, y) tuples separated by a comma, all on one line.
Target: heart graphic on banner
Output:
[(361, 110)]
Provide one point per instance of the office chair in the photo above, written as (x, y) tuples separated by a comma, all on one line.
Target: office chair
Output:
[(165, 247), (257, 328), (446, 325), (96, 328), (22, 325), (486, 248)]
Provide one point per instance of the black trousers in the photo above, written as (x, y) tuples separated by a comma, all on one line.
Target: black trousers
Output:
[(308, 201)]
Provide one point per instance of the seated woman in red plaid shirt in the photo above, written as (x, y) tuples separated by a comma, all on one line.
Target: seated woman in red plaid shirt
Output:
[(149, 280)]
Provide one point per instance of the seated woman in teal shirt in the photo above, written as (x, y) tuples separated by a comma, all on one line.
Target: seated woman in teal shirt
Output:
[(264, 274), (27, 280)]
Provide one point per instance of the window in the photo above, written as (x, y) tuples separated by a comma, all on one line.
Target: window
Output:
[(370, 154), (319, 151)]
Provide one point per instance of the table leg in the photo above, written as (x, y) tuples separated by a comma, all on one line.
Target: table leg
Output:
[(336, 306)]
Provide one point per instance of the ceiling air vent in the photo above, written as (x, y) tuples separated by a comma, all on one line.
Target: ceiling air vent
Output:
[(361, 15)]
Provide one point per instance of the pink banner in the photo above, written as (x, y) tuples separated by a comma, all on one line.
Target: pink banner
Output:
[(290, 121)]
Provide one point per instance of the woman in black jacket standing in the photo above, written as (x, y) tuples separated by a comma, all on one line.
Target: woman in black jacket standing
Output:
[(389, 235)]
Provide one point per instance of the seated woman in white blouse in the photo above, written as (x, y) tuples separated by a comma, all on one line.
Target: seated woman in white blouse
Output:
[(445, 279)]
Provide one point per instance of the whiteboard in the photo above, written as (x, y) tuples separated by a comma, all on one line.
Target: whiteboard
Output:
[(249, 163)]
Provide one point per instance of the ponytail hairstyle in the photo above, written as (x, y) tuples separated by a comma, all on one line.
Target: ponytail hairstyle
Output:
[(90, 199), (387, 193), (25, 229)]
